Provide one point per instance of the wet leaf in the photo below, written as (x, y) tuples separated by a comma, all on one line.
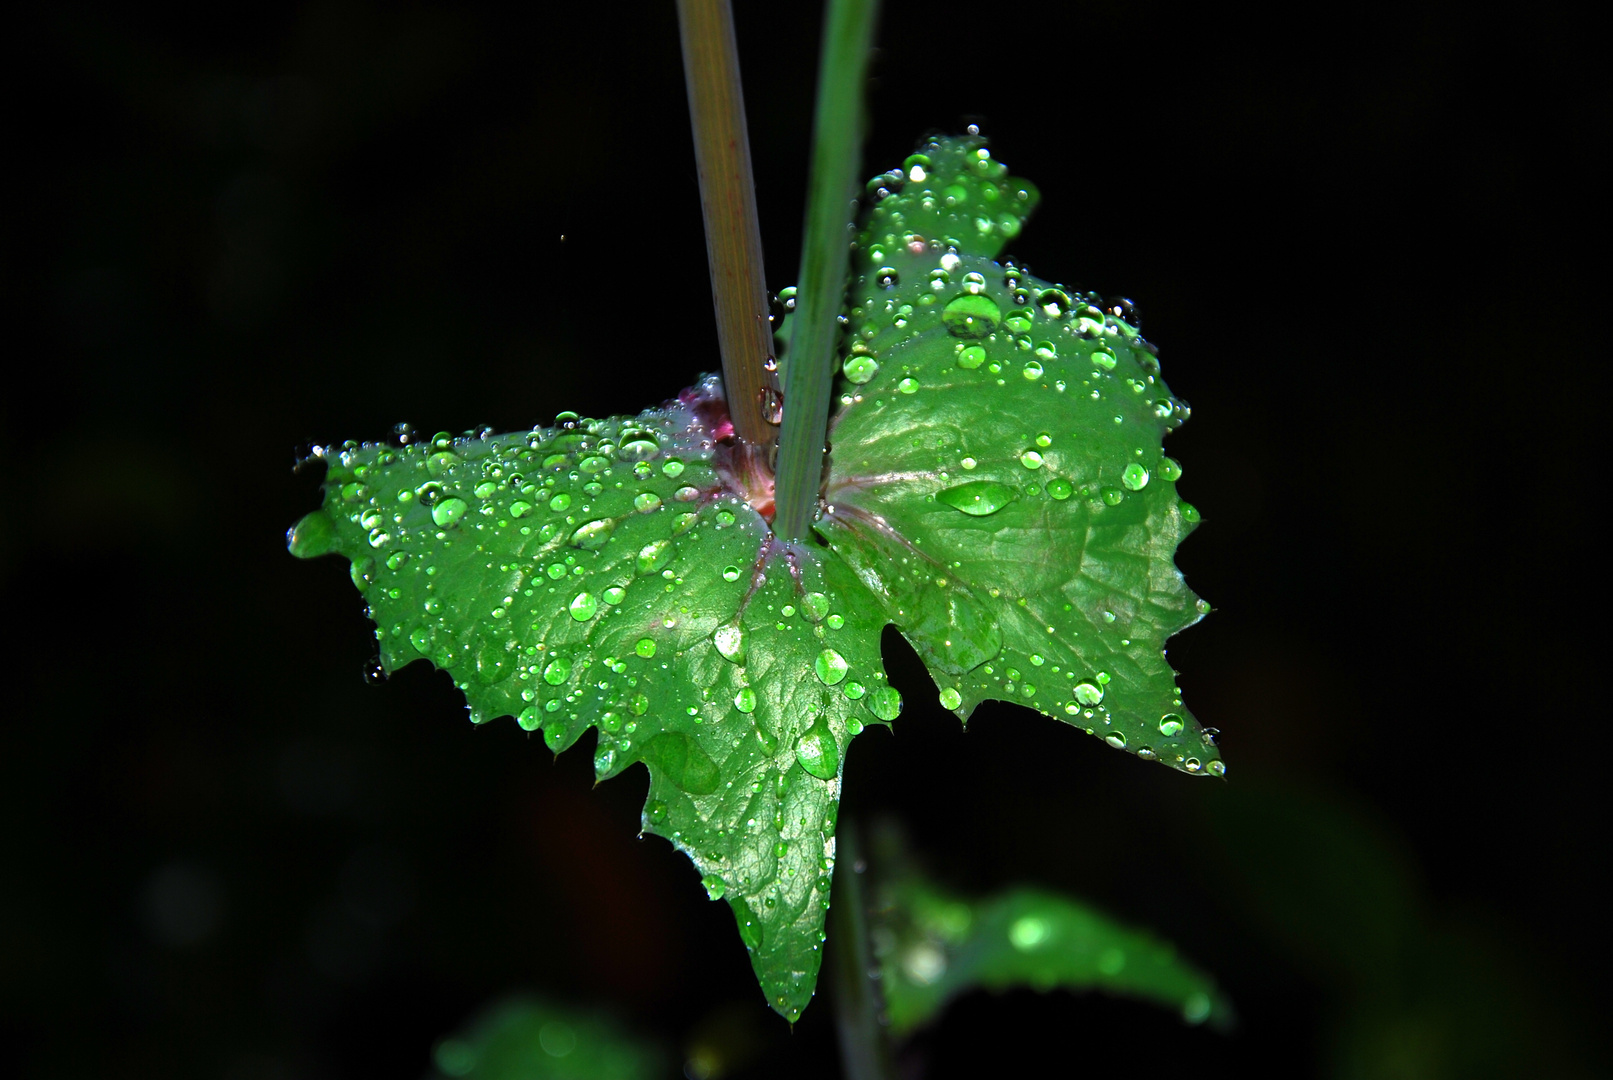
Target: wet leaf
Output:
[(526, 1038), (620, 574), (1005, 487), (934, 946)]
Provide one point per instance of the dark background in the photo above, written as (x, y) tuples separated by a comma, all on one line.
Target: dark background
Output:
[(1361, 237)]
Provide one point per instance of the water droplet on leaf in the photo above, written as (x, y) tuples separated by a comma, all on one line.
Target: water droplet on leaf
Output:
[(977, 498)]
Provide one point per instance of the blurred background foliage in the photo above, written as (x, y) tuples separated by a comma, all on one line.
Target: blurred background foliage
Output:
[(1359, 236)]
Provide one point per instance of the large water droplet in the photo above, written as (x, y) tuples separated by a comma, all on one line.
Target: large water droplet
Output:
[(557, 671), (1169, 469), (885, 703), (645, 647), (745, 700), (860, 368), (646, 501), (817, 752), (1170, 724), (971, 357), (814, 606), (654, 556), (977, 498), (1033, 371), (715, 886), (1134, 476), (584, 606), (314, 535), (970, 316), (730, 642), (950, 698), (1088, 693), (1031, 459), (593, 534), (1059, 488), (830, 666), (560, 503), (638, 446), (448, 511)]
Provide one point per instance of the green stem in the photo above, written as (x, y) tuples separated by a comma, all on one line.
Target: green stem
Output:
[(728, 198), (864, 1050), (825, 250)]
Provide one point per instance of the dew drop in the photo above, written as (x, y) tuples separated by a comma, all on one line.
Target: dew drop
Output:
[(977, 498), (730, 573), (314, 535), (646, 501), (972, 357), (950, 698), (1170, 724), (638, 446), (520, 508), (885, 703), (593, 535), (730, 642), (817, 752), (448, 511), (908, 386), (654, 556), (1059, 488), (645, 647), (860, 368), (560, 503), (672, 468), (715, 886), (830, 666), (1116, 740), (1087, 693), (583, 606), (971, 316), (557, 671), (1033, 371), (1134, 476), (1169, 469), (745, 700), (1031, 459)]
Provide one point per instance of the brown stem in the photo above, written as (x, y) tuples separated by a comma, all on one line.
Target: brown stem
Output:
[(728, 197)]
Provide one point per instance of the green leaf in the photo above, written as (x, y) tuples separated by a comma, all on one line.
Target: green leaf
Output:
[(525, 1038), (620, 574), (997, 476), (933, 946), (609, 574)]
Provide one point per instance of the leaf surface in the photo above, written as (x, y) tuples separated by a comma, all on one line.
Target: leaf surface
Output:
[(526, 1038), (933, 946), (997, 475), (620, 574)]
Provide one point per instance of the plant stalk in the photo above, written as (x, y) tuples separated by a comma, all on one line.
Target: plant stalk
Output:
[(728, 199), (837, 135), (864, 1050)]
